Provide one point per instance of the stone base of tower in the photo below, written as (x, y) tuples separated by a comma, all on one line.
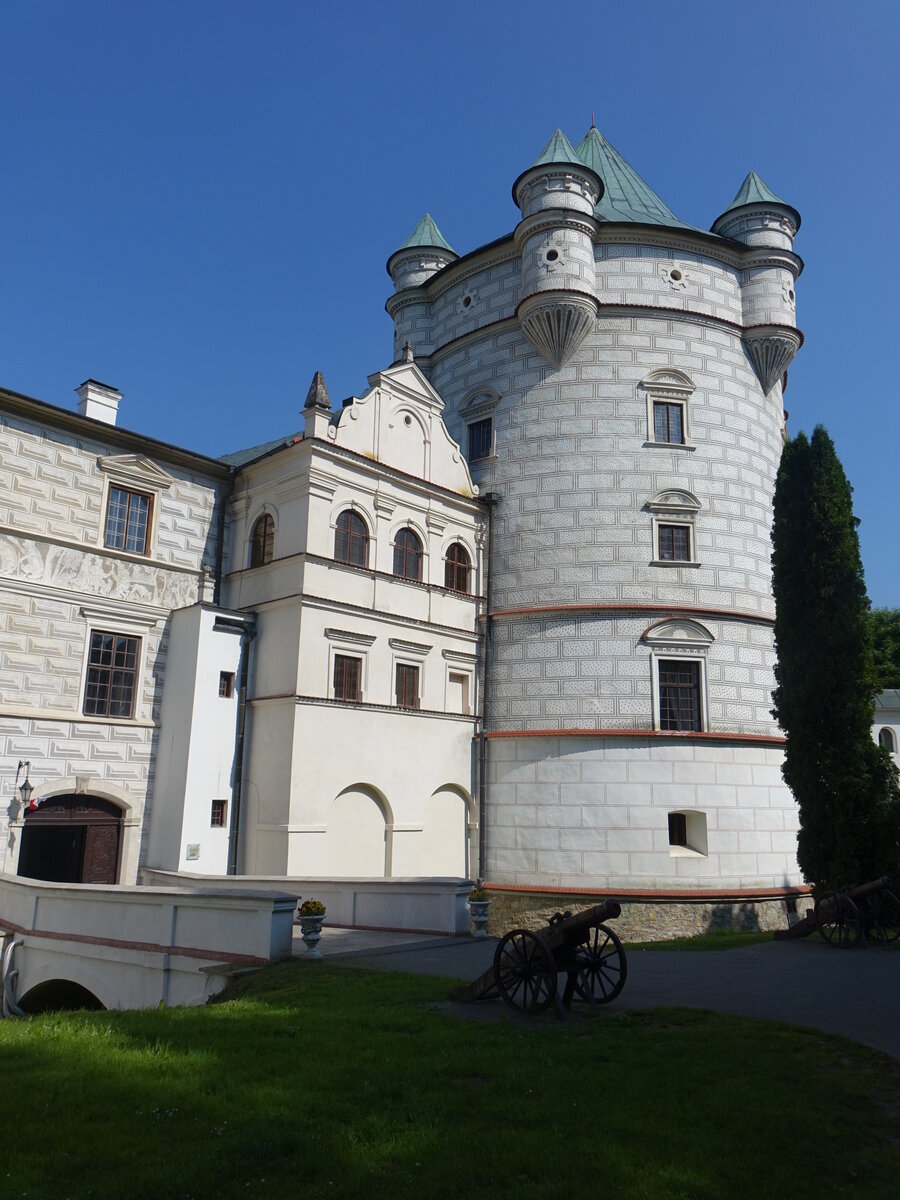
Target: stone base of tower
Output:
[(656, 917), (654, 812)]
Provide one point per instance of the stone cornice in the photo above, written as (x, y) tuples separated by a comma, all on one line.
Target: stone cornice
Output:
[(683, 610)]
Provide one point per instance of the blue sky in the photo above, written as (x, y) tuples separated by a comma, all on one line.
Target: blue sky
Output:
[(198, 197)]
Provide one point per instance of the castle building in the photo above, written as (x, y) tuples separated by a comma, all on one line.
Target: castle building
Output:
[(507, 613)]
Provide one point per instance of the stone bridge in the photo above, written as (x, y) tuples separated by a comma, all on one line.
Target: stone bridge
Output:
[(88, 945)]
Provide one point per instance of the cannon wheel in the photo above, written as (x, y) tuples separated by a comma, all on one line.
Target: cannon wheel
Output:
[(838, 919), (601, 967), (884, 924), (525, 971)]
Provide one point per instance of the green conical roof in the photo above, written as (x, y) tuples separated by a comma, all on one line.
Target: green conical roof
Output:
[(756, 191), (426, 233), (626, 197), (558, 150)]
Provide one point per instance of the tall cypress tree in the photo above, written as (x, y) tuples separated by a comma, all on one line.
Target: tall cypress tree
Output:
[(846, 786)]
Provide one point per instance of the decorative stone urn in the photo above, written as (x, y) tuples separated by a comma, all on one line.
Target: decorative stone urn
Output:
[(311, 926), (479, 911)]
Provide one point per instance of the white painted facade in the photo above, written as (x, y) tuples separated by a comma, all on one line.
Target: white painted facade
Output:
[(559, 345)]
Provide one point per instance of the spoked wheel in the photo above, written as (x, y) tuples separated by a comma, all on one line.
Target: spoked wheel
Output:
[(524, 971), (838, 919), (884, 922), (601, 966)]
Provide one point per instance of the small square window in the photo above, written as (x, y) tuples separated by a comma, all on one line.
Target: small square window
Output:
[(217, 814), (226, 684), (674, 543), (347, 677), (127, 520), (677, 829), (480, 438), (407, 690)]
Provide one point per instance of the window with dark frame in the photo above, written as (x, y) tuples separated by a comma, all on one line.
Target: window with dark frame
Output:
[(886, 739), (407, 686), (457, 568), (668, 422), (679, 695), (347, 675), (112, 671), (127, 520), (226, 684), (674, 543), (262, 541), (480, 438), (677, 829), (217, 814), (408, 555), (351, 540)]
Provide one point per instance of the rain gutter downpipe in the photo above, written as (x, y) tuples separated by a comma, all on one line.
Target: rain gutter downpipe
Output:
[(491, 498), (247, 636)]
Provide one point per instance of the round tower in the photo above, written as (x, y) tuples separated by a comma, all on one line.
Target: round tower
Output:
[(603, 369)]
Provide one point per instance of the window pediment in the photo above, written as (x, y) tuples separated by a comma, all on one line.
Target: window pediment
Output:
[(674, 500), (670, 383), (136, 471), (680, 632)]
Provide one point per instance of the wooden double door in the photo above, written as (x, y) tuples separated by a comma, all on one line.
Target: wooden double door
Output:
[(72, 839)]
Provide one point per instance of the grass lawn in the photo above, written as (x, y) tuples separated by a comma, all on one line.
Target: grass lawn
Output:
[(320, 1081)]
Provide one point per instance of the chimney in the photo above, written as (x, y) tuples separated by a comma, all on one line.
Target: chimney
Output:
[(99, 401)]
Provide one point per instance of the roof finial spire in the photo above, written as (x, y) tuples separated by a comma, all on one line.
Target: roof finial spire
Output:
[(593, 122)]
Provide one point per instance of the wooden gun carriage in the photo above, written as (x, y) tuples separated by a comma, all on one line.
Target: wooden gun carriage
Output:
[(867, 914), (528, 964)]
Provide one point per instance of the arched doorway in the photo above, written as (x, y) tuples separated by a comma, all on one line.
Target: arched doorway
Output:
[(72, 839)]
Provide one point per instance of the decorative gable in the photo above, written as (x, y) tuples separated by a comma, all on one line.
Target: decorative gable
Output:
[(398, 423)]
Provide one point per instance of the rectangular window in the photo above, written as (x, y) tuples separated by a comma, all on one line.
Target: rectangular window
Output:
[(458, 693), (127, 520), (679, 695), (407, 686), (677, 829), (480, 437), (111, 675), (226, 684), (346, 677), (668, 422), (674, 543), (217, 814)]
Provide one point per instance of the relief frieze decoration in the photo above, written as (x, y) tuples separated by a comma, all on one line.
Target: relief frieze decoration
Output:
[(70, 569)]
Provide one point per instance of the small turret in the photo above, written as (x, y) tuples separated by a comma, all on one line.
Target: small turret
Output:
[(767, 227), (557, 195), (422, 255)]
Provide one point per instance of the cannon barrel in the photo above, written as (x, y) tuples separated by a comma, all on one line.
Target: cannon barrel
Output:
[(570, 930)]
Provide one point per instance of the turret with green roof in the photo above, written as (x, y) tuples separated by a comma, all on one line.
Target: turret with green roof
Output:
[(753, 199), (422, 255)]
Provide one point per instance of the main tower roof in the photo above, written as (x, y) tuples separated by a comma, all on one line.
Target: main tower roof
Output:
[(627, 197)]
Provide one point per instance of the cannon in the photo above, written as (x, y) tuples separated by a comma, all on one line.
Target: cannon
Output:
[(868, 913), (528, 964)]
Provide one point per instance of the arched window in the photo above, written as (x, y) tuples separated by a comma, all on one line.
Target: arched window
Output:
[(408, 555), (351, 539), (262, 541), (886, 739), (457, 568)]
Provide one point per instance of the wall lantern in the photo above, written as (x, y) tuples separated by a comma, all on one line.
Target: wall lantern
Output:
[(26, 789)]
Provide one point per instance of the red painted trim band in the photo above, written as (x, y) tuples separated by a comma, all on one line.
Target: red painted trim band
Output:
[(250, 960), (656, 894), (670, 609), (760, 739)]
